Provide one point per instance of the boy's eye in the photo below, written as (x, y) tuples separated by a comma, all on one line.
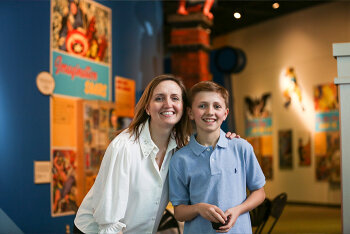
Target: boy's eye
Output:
[(201, 106), (217, 106)]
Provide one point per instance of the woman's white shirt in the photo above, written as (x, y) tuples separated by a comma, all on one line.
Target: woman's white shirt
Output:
[(130, 192)]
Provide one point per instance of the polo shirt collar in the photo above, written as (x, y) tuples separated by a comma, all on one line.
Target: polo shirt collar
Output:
[(147, 144), (198, 148), (223, 140)]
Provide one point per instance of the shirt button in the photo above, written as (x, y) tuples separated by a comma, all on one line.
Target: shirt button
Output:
[(157, 202), (153, 218), (208, 149), (212, 159)]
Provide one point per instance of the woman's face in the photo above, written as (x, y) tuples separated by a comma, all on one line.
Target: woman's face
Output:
[(166, 104)]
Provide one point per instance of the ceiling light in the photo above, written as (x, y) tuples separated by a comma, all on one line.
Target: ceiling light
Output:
[(275, 5), (237, 15)]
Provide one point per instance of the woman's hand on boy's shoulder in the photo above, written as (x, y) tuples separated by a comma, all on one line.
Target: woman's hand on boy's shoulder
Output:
[(232, 135)]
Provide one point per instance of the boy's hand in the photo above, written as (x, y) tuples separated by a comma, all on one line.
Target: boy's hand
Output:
[(233, 214), (232, 135), (211, 213)]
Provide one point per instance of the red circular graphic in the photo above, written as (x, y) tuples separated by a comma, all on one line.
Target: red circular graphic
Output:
[(77, 43)]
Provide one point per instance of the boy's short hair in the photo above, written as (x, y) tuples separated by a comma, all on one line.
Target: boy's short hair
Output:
[(208, 86)]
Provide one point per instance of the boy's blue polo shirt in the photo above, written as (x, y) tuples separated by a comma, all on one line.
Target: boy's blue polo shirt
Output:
[(219, 177)]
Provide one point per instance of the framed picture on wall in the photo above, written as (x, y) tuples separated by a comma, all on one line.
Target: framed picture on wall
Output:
[(285, 149)]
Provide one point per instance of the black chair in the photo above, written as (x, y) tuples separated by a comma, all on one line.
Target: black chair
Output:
[(168, 221), (277, 207), (259, 215)]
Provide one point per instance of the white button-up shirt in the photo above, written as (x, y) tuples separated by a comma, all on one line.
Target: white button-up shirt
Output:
[(130, 192)]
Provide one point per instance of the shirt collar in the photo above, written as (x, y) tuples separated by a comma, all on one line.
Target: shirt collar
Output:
[(147, 144), (223, 140), (198, 148)]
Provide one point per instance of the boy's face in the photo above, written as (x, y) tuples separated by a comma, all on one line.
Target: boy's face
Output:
[(208, 110)]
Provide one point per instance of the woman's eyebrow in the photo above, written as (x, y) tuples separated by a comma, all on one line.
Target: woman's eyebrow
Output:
[(172, 94)]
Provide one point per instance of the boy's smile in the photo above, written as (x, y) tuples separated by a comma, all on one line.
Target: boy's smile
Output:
[(208, 111)]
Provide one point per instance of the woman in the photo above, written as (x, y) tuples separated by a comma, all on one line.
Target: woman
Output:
[(131, 189)]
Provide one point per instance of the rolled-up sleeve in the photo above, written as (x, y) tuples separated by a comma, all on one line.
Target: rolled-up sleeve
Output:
[(111, 188)]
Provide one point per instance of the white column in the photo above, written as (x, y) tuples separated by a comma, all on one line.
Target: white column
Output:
[(341, 51)]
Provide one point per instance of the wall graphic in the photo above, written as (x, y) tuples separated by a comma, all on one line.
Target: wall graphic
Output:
[(304, 148), (99, 129), (64, 190), (81, 48), (285, 149), (258, 124), (291, 88), (327, 141)]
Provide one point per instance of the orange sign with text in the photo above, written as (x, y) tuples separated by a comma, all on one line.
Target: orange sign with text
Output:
[(125, 96)]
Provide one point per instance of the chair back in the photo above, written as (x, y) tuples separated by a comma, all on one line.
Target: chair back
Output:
[(277, 207), (260, 214), (168, 221)]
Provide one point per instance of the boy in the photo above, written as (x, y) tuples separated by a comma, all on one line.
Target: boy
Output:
[(209, 176)]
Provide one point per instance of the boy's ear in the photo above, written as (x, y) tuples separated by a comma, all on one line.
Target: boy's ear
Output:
[(226, 113), (190, 113)]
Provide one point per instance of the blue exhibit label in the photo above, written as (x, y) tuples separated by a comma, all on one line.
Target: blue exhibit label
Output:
[(80, 78)]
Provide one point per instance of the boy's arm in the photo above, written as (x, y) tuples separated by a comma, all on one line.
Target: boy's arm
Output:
[(207, 211), (255, 198)]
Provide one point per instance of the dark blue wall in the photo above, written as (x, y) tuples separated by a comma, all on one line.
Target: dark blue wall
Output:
[(219, 78), (24, 111)]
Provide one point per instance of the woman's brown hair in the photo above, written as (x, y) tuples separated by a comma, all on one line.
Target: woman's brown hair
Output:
[(182, 128)]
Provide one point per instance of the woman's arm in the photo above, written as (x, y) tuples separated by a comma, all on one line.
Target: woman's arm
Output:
[(111, 188)]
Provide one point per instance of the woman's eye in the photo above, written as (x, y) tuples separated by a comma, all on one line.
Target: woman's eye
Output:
[(176, 98), (158, 99)]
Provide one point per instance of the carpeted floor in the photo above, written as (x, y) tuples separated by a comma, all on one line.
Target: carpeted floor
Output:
[(307, 219), (299, 219)]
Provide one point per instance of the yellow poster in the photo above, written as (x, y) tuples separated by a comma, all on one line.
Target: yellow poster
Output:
[(63, 121)]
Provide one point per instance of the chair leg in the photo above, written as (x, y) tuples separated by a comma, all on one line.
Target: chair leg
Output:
[(274, 223), (261, 227), (178, 229)]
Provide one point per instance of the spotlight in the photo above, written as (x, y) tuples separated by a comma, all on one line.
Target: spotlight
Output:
[(275, 5), (237, 15)]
